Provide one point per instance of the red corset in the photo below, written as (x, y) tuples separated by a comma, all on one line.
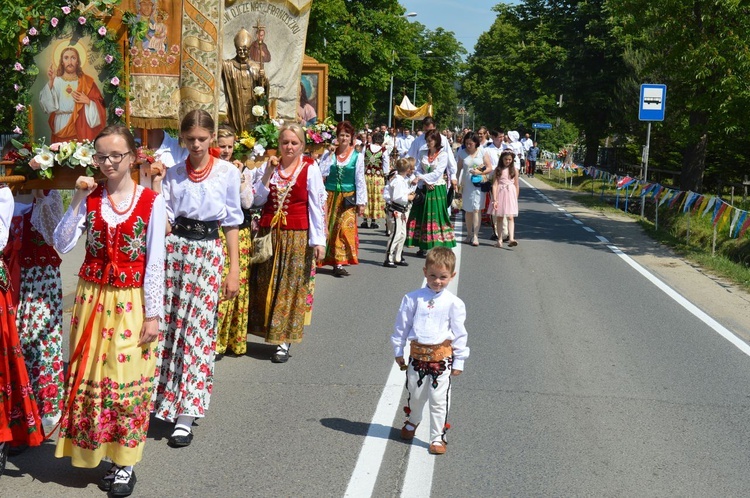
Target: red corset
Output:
[(295, 205)]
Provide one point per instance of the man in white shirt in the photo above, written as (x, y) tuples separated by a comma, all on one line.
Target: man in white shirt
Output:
[(403, 142)]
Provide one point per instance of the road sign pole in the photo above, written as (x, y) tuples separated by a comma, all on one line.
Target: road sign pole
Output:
[(645, 166)]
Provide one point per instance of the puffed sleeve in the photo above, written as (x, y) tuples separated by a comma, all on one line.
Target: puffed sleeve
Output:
[(46, 215), (234, 217), (166, 191), (6, 214), (386, 164), (441, 162), (359, 180), (325, 162), (316, 199), (247, 191), (153, 281), (260, 191), (70, 228)]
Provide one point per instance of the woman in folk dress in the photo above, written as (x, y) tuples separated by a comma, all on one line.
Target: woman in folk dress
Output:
[(377, 165), (201, 195), (116, 315)]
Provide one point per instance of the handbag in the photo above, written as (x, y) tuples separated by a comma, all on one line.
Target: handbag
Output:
[(486, 186), (476, 180), (350, 201), (419, 196)]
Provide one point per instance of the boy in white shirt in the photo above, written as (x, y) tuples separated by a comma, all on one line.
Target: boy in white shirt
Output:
[(399, 196), (432, 319)]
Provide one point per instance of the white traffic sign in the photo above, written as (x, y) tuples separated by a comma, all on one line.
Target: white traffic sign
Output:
[(343, 104)]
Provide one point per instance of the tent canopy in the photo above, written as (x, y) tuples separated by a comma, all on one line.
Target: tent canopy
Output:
[(407, 110)]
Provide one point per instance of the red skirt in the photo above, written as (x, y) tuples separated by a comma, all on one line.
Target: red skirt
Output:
[(19, 416)]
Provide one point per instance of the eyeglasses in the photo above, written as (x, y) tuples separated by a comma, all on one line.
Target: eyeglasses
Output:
[(114, 159)]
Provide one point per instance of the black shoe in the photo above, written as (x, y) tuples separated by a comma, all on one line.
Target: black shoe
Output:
[(421, 253), (374, 225), (180, 441), (402, 263), (124, 488), (105, 483), (339, 271), (494, 236), (506, 238), (364, 225), (3, 456), (388, 264), (280, 356)]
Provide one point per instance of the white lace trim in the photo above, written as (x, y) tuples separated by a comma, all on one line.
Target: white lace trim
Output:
[(110, 216), (153, 287), (46, 214)]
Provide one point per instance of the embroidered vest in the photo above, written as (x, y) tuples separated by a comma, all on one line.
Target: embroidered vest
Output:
[(116, 255), (341, 178), (295, 208), (374, 162)]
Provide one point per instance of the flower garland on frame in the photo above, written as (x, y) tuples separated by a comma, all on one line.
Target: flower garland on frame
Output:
[(61, 22)]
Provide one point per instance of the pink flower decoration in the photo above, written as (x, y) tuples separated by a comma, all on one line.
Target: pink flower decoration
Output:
[(66, 10), (108, 59), (33, 32), (17, 130), (16, 86), (20, 107), (54, 22), (25, 40), (81, 20), (119, 111), (54, 147), (17, 66), (115, 81), (102, 31)]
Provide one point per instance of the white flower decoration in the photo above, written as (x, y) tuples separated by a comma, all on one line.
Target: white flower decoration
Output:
[(259, 91), (84, 155), (44, 157), (259, 150), (258, 111)]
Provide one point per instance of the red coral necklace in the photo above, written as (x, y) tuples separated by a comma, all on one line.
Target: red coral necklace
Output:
[(114, 206), (199, 176)]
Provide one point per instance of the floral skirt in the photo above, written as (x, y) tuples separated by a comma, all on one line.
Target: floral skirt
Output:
[(39, 321), (343, 239), (187, 344), (375, 207), (281, 303), (232, 333), (108, 415), (429, 225)]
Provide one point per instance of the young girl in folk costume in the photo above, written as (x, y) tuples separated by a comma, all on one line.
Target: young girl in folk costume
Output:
[(19, 417), (34, 267), (343, 170), (505, 190), (377, 162), (232, 330), (429, 224), (201, 194), (293, 197), (116, 315)]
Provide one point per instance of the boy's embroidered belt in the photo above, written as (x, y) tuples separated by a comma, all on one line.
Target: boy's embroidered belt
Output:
[(431, 352)]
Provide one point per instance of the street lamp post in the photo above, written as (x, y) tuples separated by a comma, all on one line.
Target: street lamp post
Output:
[(390, 96)]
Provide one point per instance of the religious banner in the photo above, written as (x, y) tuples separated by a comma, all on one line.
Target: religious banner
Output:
[(175, 68), (273, 33)]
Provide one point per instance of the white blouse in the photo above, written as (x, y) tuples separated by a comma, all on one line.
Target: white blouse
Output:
[(73, 225), (437, 168), (326, 161), (316, 201), (217, 198), (6, 214), (247, 190)]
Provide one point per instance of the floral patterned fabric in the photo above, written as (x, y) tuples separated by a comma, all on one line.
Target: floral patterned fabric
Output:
[(108, 415), (343, 238), (291, 289), (19, 416), (187, 342), (429, 225), (39, 322), (375, 207), (232, 334)]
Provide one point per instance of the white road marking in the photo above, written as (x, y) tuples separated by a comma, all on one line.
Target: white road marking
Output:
[(602, 239), (420, 467), (578, 221), (589, 229)]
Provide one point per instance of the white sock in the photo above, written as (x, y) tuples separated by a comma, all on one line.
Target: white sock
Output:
[(123, 474), (184, 422)]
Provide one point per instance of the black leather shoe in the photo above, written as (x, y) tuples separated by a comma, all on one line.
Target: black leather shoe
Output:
[(421, 253), (374, 225), (181, 440), (339, 271), (124, 488), (388, 264), (105, 483), (280, 357), (364, 225), (402, 263)]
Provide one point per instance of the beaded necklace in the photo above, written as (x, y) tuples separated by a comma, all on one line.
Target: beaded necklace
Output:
[(199, 176), (114, 206)]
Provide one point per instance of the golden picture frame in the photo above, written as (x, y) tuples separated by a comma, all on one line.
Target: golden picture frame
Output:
[(313, 92)]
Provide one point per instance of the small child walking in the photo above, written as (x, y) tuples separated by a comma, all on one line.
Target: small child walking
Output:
[(432, 319), (399, 197), (505, 192)]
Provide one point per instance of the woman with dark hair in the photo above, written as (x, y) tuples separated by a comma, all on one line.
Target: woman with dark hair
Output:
[(377, 162), (343, 170), (202, 195), (291, 190), (429, 224), (472, 164), (118, 306)]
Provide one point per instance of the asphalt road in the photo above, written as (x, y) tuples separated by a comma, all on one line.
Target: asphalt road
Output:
[(585, 379)]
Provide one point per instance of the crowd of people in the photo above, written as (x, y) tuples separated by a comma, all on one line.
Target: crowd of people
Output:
[(164, 290)]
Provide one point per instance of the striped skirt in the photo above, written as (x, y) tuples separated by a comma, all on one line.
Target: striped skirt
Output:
[(187, 348)]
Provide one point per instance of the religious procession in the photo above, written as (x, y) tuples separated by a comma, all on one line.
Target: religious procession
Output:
[(210, 186)]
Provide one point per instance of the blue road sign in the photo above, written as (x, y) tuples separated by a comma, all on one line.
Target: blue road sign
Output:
[(542, 126), (653, 102)]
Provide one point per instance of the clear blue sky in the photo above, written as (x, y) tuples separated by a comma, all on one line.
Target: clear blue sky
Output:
[(467, 19)]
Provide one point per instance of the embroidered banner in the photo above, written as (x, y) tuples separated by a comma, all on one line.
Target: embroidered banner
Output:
[(278, 29)]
